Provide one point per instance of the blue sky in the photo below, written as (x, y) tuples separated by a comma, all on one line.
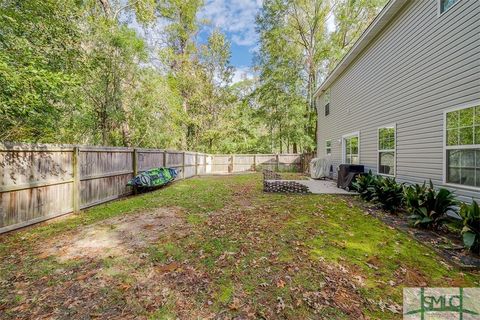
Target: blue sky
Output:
[(241, 55), (236, 18)]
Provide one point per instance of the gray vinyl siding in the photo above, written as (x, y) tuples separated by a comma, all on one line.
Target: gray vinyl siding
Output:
[(419, 65)]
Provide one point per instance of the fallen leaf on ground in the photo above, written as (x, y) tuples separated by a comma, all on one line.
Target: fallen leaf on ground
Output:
[(169, 267)]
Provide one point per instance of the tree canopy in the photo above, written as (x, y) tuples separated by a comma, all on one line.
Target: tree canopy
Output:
[(80, 72)]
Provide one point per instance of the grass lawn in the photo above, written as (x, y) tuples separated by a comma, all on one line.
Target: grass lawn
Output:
[(216, 247)]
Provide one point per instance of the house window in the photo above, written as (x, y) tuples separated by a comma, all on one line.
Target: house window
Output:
[(446, 4), (328, 147), (386, 150), (351, 149), (327, 102), (327, 96), (463, 146)]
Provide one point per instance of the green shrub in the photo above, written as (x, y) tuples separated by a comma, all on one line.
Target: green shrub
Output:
[(388, 193), (471, 226), (415, 197), (363, 185), (429, 207)]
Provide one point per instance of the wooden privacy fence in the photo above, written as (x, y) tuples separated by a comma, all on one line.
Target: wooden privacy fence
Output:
[(256, 162), (39, 182)]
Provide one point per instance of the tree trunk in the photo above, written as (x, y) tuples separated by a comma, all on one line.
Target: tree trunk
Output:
[(184, 141)]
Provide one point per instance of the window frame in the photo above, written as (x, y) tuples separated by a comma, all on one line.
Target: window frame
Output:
[(346, 136), (439, 6), (327, 148), (327, 95), (326, 102), (394, 150), (457, 147)]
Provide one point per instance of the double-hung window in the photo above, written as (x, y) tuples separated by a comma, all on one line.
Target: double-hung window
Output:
[(351, 149), (327, 102), (328, 147), (386, 150), (463, 146)]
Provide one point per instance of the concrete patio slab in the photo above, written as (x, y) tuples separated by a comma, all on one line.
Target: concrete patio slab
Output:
[(323, 187)]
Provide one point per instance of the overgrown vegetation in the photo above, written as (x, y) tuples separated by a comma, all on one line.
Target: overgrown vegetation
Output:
[(245, 254)]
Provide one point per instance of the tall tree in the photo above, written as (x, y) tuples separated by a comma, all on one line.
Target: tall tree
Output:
[(180, 55), (351, 18), (112, 55), (297, 49), (282, 89), (307, 25), (216, 98), (39, 46)]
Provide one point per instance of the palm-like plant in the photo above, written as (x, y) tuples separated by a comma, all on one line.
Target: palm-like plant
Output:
[(388, 193), (429, 207), (415, 196), (471, 226), (363, 185)]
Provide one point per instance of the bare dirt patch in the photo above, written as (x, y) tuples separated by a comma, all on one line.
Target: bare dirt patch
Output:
[(101, 271), (114, 237)]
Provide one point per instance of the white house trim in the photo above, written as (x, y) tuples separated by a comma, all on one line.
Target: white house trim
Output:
[(394, 150), (445, 147), (349, 135)]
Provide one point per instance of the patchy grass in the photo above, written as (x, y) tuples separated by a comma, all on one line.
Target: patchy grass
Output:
[(165, 252), (191, 196), (230, 251), (293, 176)]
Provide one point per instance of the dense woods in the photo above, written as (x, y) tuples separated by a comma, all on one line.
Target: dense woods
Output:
[(135, 73)]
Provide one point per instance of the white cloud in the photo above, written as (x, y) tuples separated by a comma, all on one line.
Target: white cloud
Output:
[(242, 73), (331, 23), (234, 16)]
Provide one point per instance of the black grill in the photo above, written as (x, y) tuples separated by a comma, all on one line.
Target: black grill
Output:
[(347, 174)]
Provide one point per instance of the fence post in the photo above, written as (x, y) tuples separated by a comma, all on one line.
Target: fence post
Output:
[(135, 162), (165, 158), (254, 163), (196, 163), (183, 165), (76, 179), (205, 163), (278, 162), (232, 161), (134, 166)]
